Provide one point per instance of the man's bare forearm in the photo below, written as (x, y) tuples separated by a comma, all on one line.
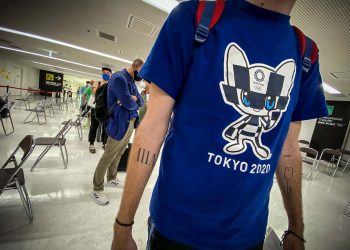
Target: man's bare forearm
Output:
[(143, 156), (289, 180)]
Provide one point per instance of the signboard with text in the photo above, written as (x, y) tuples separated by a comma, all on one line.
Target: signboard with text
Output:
[(330, 132), (50, 81)]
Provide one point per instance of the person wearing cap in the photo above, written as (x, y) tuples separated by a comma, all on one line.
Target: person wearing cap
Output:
[(124, 100), (106, 75)]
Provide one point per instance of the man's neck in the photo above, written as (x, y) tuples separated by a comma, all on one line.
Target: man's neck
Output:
[(284, 7), (131, 72)]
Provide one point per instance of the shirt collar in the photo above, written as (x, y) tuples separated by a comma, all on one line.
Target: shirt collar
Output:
[(128, 76), (266, 14)]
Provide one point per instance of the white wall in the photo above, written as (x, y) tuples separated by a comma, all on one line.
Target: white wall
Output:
[(10, 71), (307, 128)]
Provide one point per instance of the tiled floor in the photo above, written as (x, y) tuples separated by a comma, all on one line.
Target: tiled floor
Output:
[(65, 217)]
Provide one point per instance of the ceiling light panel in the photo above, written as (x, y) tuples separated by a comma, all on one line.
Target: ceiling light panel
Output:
[(164, 5), (60, 67), (69, 45), (141, 26), (49, 57), (329, 89)]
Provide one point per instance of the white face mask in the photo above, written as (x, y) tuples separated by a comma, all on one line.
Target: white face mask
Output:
[(143, 84)]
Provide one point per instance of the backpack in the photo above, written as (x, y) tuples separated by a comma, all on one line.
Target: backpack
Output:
[(102, 112), (209, 13)]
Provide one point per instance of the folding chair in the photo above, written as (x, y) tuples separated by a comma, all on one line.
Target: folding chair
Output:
[(309, 157), (69, 100), (342, 160), (346, 208), (335, 160), (59, 141), (24, 99), (5, 113), (13, 178), (6, 96), (77, 125), (49, 107), (35, 113), (304, 142), (59, 104)]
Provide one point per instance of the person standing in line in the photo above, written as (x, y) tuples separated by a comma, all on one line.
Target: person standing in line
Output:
[(84, 95), (124, 100), (238, 97), (106, 75)]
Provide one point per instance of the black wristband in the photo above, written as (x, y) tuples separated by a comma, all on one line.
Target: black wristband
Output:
[(291, 232), (122, 224)]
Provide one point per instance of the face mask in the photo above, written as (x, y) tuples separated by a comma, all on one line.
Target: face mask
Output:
[(136, 77), (106, 77)]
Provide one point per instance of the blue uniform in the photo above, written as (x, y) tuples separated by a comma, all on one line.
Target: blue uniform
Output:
[(236, 96)]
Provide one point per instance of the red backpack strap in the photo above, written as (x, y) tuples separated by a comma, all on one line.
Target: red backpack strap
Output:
[(308, 49), (208, 14)]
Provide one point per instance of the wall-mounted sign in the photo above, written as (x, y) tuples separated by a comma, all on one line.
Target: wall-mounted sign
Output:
[(50, 81), (330, 132)]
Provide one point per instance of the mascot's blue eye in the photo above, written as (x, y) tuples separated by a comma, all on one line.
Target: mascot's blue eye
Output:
[(246, 99), (270, 102)]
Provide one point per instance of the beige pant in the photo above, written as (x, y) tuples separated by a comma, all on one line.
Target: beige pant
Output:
[(110, 158)]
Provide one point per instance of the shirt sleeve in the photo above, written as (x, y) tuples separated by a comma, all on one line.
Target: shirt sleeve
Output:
[(119, 87), (311, 101), (167, 64)]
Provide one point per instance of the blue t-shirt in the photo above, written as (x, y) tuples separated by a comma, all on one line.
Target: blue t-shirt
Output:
[(236, 96)]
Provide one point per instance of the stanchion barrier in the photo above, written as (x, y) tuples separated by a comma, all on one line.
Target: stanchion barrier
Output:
[(8, 87)]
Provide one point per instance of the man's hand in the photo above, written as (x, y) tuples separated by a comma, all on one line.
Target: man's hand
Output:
[(134, 98), (123, 239), (148, 141), (293, 243)]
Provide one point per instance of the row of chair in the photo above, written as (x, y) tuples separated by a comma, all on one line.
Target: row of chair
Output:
[(310, 157), (13, 177)]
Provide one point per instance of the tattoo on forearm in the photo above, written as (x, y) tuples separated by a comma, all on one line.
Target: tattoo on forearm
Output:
[(146, 157), (288, 175)]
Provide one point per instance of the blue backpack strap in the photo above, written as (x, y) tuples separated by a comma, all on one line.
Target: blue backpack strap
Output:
[(208, 14), (202, 31)]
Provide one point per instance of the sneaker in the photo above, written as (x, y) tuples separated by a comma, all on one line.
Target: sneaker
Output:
[(114, 183), (92, 149), (99, 198)]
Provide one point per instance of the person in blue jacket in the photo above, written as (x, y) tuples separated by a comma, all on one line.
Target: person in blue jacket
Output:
[(124, 100)]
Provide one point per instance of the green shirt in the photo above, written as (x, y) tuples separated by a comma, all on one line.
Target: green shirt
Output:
[(88, 92)]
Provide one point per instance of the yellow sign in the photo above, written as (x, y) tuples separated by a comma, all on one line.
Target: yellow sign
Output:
[(50, 77)]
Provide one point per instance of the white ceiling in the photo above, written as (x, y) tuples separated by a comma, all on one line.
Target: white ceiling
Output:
[(78, 21)]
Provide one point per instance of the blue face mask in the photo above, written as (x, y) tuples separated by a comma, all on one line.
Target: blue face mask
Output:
[(106, 76)]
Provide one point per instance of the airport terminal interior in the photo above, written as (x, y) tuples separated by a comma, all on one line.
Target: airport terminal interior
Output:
[(51, 52)]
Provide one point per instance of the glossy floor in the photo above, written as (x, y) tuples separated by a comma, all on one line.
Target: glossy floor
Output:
[(65, 217)]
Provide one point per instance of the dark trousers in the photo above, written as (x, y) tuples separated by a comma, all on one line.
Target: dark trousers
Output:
[(93, 129), (158, 242)]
